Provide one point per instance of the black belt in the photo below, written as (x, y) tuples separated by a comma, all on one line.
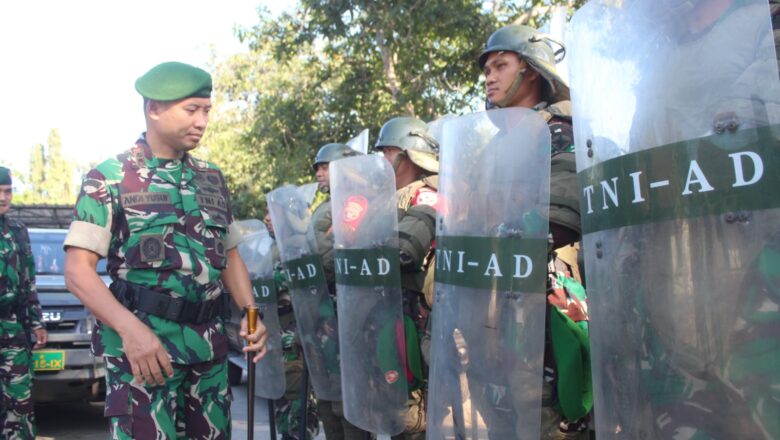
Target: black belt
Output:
[(138, 298), (7, 311)]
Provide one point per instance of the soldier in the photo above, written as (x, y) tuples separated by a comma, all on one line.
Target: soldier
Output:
[(287, 409), (163, 220), (20, 314), (519, 67), (331, 412), (406, 144)]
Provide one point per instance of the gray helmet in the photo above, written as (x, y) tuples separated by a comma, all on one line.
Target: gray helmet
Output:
[(411, 136), (536, 49), (330, 152)]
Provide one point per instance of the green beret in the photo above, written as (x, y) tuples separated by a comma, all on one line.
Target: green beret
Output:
[(5, 176), (172, 81)]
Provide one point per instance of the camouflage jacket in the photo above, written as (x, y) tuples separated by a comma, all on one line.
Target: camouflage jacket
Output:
[(17, 282), (165, 224)]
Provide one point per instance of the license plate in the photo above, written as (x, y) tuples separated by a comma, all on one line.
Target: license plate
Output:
[(49, 360)]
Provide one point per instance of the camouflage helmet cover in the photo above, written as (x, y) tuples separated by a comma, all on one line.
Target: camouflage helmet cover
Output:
[(536, 49), (411, 136), (333, 151)]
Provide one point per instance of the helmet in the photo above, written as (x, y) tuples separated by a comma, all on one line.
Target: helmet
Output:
[(330, 152), (536, 49), (411, 136)]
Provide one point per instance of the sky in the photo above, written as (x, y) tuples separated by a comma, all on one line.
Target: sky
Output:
[(72, 65)]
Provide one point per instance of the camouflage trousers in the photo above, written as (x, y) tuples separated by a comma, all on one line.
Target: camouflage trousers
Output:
[(193, 404), (16, 405), (336, 426), (287, 410)]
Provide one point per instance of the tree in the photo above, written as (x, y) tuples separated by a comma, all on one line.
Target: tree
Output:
[(50, 179), (334, 67)]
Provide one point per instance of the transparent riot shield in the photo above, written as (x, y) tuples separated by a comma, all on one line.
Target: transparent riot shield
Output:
[(313, 307), (256, 251), (308, 192), (436, 127), (486, 372), (359, 143), (676, 112), (368, 282)]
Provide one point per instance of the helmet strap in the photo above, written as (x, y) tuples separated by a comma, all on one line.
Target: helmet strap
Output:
[(513, 89), (397, 161)]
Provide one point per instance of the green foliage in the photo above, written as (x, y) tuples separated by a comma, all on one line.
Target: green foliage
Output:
[(335, 67), (50, 178)]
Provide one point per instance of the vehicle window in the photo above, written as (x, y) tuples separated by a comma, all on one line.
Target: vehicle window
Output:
[(49, 255)]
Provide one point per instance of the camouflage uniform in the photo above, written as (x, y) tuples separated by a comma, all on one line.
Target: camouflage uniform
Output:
[(165, 224), (287, 409), (19, 298)]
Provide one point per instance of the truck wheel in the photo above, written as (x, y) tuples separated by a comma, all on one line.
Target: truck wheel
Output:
[(234, 374)]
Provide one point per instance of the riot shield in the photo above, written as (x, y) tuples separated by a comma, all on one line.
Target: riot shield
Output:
[(308, 192), (486, 372), (314, 310), (256, 251), (359, 143), (368, 282), (436, 127), (676, 112)]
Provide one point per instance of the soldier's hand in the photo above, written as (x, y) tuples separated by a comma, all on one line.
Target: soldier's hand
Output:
[(41, 338), (256, 341), (147, 356)]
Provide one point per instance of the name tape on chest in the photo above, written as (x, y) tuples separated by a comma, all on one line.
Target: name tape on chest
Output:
[(136, 199)]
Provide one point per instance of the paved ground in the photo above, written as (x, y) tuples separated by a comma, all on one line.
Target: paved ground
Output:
[(71, 421), (84, 421)]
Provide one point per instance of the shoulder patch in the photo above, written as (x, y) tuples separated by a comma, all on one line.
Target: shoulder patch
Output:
[(353, 211), (425, 196)]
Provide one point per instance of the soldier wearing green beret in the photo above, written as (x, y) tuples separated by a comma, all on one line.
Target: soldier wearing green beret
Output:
[(163, 220), (20, 316)]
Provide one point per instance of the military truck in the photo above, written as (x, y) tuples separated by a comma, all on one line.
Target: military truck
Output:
[(65, 370)]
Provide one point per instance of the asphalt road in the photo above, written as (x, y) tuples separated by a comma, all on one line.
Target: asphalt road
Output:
[(84, 421)]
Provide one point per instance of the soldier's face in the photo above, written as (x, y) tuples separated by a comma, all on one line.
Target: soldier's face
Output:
[(6, 194), (323, 175), (391, 153), (268, 224), (501, 71), (180, 124)]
